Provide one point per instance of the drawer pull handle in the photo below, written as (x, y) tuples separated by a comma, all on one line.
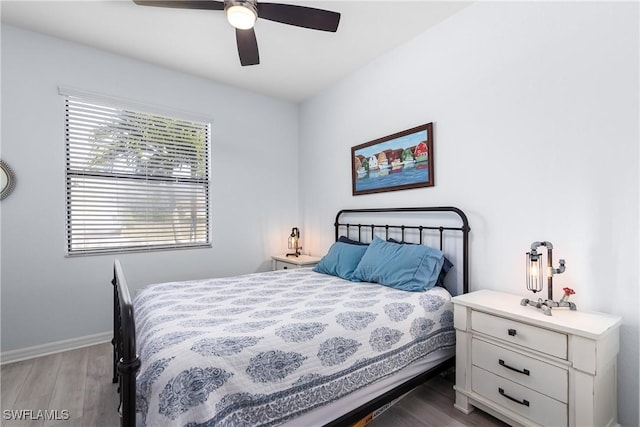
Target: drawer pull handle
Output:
[(512, 332), (522, 402), (523, 371)]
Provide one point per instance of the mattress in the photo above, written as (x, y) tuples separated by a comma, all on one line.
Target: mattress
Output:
[(279, 347)]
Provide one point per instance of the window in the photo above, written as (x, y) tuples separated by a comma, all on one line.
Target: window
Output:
[(135, 180)]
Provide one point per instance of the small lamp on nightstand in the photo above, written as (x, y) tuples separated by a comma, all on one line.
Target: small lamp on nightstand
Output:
[(535, 279), (294, 242)]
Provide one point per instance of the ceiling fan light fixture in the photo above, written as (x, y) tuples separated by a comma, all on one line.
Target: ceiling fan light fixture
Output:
[(241, 17)]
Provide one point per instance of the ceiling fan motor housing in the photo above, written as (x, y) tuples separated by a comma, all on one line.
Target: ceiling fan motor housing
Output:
[(249, 4), (242, 14)]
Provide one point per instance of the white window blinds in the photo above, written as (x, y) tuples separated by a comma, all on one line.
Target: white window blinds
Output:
[(135, 181)]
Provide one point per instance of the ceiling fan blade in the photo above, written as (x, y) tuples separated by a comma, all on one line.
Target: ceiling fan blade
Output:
[(300, 16), (247, 47), (183, 4)]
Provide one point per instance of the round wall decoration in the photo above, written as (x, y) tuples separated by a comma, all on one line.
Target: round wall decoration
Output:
[(7, 180)]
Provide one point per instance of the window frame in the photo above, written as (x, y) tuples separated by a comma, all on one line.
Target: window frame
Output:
[(127, 107)]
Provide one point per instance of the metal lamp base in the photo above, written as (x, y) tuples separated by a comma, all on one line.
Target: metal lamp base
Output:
[(547, 305)]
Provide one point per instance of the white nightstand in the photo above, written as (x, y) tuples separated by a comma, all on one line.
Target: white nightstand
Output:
[(529, 369), (283, 262)]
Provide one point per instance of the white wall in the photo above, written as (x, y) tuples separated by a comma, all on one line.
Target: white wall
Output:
[(47, 297), (519, 93), (535, 112)]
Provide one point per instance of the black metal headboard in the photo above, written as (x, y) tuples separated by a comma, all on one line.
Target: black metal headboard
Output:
[(422, 225)]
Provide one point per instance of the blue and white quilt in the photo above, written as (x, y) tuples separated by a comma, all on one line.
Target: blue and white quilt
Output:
[(261, 349)]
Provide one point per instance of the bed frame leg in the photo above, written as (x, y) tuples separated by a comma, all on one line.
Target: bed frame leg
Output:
[(116, 329), (125, 359), (115, 375), (127, 371)]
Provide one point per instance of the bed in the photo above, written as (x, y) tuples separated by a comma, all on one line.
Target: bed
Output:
[(321, 346)]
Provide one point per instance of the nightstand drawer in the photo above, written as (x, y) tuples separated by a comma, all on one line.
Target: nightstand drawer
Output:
[(283, 262), (522, 400), (532, 373), (539, 339), (282, 265)]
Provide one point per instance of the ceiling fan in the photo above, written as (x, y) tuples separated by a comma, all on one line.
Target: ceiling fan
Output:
[(242, 14)]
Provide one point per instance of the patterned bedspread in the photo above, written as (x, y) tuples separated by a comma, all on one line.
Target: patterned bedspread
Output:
[(262, 348)]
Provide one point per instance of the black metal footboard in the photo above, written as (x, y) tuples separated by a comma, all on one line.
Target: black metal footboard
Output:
[(125, 359)]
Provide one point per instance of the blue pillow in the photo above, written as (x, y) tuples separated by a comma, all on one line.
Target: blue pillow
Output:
[(446, 265), (345, 239), (405, 267), (341, 260)]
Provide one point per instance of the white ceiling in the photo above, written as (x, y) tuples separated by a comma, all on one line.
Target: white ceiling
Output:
[(295, 63)]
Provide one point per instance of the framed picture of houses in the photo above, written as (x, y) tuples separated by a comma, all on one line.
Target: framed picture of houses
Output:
[(395, 162)]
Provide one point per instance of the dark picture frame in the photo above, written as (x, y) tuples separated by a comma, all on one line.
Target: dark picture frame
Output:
[(400, 161)]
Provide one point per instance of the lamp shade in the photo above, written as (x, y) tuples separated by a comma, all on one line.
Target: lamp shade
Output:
[(294, 241), (241, 17), (534, 272)]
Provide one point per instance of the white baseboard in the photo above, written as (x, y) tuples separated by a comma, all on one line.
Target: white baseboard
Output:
[(54, 347)]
